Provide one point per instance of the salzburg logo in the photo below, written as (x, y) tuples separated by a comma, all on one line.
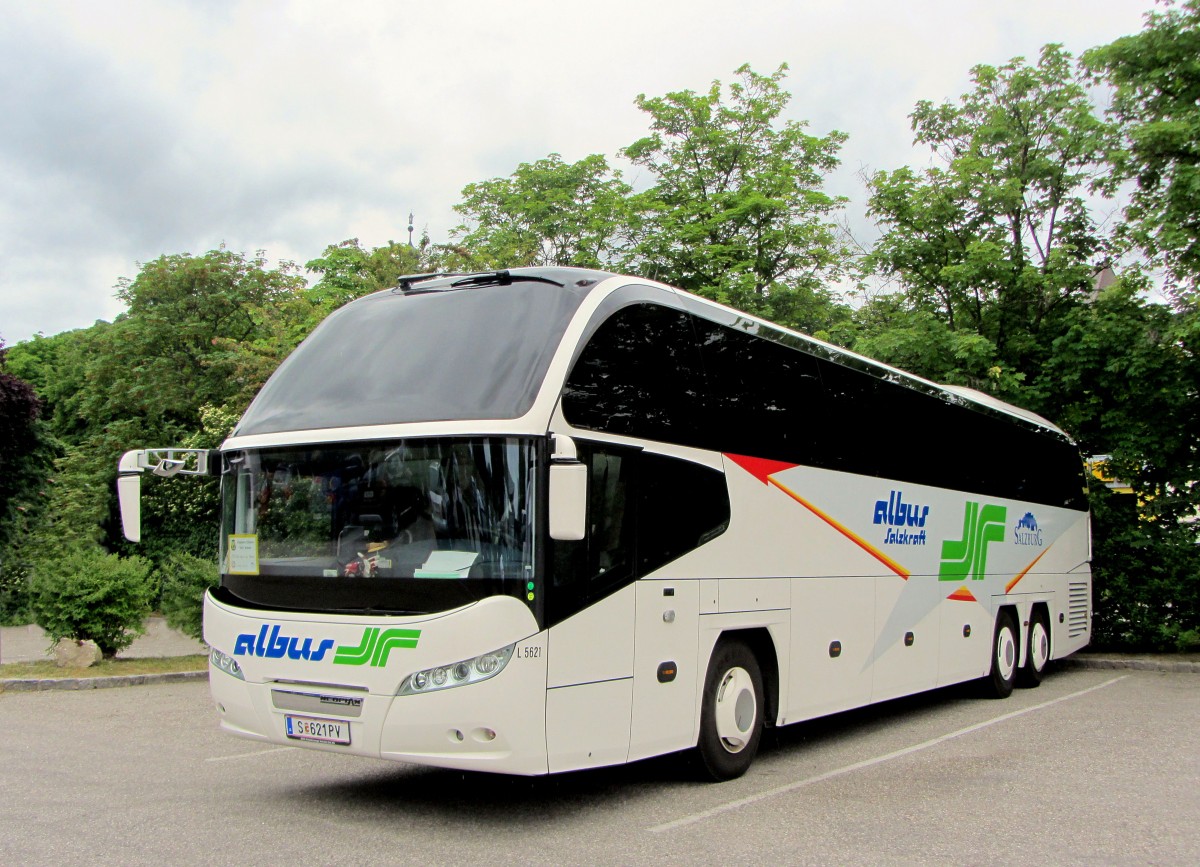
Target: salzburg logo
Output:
[(1027, 531)]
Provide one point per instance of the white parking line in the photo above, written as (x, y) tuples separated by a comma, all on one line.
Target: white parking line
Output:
[(866, 763), (251, 755)]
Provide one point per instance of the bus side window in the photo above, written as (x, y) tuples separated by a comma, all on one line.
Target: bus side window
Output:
[(589, 569), (681, 506), (765, 399), (610, 521), (640, 375), (644, 510)]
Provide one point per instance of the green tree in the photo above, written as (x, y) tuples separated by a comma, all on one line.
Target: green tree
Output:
[(548, 212), (39, 361), (27, 453), (162, 360), (348, 271), (737, 211), (994, 251), (200, 331), (999, 239), (1156, 74), (1149, 564), (921, 342), (1123, 378)]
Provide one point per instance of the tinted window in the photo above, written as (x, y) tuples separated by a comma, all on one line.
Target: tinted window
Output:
[(761, 395), (392, 358), (890, 430), (644, 511), (639, 375), (744, 388), (680, 507), (414, 525)]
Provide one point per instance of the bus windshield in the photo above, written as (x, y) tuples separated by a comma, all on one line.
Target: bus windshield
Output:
[(400, 526)]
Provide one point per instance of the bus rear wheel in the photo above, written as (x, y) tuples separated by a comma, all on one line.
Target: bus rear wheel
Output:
[(731, 713), (999, 684), (1037, 650)]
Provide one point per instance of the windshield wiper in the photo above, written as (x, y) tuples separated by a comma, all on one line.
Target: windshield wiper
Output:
[(405, 284), (501, 278)]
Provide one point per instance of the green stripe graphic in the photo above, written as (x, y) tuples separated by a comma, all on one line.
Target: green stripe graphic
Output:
[(967, 557), (375, 647)]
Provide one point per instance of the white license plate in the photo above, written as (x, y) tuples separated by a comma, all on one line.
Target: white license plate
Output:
[(311, 728)]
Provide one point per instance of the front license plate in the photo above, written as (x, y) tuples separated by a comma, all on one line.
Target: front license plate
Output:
[(311, 728)]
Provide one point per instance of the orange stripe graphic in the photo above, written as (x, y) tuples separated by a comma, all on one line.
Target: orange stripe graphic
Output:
[(845, 531), (1025, 571), (962, 594)]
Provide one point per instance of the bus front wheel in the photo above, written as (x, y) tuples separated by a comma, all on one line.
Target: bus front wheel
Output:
[(999, 684), (731, 713)]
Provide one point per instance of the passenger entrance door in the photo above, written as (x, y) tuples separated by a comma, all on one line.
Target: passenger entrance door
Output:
[(589, 697)]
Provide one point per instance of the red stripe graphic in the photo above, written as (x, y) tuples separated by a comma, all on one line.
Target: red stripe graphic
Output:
[(762, 469)]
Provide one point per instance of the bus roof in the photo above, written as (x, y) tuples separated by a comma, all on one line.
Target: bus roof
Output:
[(449, 347)]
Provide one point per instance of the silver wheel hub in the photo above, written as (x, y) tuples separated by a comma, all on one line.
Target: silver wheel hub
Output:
[(1039, 646), (1006, 653), (736, 710)]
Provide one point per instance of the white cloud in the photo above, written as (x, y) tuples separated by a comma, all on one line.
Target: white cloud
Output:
[(134, 129)]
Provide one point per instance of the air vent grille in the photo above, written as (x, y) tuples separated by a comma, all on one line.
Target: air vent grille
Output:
[(1078, 602)]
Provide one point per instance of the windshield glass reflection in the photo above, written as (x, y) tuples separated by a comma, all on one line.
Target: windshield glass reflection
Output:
[(438, 509)]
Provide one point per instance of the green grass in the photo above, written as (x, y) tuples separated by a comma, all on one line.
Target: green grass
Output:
[(106, 667)]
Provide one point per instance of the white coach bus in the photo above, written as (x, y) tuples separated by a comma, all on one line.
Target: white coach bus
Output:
[(539, 520)]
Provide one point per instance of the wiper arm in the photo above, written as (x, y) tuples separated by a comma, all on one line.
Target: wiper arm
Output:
[(405, 284), (409, 285), (501, 278)]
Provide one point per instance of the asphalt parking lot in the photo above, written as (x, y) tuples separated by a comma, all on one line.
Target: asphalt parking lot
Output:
[(1093, 767)]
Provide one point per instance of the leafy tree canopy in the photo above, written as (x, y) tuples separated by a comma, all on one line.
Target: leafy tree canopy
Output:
[(26, 453), (999, 238), (736, 210), (548, 212), (348, 271), (1156, 74)]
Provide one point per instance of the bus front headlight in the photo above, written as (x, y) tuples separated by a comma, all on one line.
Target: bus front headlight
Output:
[(458, 673), (226, 663)]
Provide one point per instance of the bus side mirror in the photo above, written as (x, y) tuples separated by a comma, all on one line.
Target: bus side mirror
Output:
[(129, 493), (568, 493), (167, 463)]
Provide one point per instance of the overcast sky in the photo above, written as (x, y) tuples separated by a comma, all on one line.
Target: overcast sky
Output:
[(133, 129)]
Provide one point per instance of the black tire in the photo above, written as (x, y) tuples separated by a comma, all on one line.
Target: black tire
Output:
[(999, 683), (731, 712), (1037, 650)]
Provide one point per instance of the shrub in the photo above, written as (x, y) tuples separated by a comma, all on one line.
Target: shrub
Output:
[(85, 594), (184, 581), (1147, 579), (14, 593)]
